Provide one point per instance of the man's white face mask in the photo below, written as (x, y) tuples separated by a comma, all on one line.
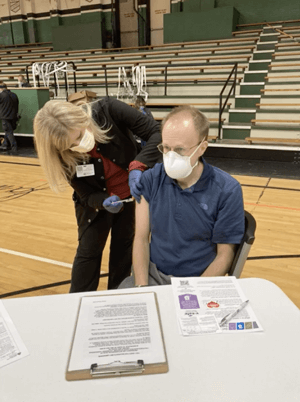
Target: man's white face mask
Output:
[(86, 144), (177, 166)]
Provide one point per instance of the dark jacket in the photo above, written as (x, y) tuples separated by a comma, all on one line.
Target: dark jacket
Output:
[(9, 105), (90, 191), (24, 84), (146, 111)]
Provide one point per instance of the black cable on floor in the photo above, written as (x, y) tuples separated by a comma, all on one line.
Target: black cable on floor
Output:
[(270, 187), (20, 163), (273, 257), (50, 285)]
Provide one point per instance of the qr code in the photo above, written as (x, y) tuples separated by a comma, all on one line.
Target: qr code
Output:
[(184, 283)]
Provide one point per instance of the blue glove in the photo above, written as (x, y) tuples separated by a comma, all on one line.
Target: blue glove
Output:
[(134, 178), (113, 208)]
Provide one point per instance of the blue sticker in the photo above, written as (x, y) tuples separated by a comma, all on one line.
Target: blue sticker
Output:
[(240, 325)]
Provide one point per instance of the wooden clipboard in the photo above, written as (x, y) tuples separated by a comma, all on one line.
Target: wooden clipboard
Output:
[(119, 367)]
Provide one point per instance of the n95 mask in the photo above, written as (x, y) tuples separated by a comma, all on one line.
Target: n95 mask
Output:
[(178, 166), (86, 144)]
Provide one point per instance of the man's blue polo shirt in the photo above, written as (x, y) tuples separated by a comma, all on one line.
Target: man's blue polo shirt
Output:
[(187, 224)]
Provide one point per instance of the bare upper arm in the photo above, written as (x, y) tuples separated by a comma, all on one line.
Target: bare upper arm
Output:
[(226, 250), (142, 219)]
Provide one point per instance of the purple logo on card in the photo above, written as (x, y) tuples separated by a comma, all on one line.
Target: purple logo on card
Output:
[(232, 326), (188, 301)]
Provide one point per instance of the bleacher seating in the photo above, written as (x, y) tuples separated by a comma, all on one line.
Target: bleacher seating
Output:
[(267, 109), (267, 98), (205, 80)]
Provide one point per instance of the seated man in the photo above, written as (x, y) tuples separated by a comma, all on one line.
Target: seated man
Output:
[(22, 83), (194, 211)]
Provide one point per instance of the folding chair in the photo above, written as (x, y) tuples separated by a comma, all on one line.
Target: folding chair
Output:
[(244, 247)]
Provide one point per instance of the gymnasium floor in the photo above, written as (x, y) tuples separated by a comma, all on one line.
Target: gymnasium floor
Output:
[(38, 236)]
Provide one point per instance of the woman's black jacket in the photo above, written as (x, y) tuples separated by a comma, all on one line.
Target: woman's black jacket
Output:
[(90, 191)]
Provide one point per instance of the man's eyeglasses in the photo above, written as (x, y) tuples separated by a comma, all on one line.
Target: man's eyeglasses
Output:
[(180, 151)]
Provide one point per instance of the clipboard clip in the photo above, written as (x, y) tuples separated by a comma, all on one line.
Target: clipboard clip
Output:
[(117, 368)]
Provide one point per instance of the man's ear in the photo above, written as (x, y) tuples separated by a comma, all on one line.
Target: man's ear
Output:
[(203, 147)]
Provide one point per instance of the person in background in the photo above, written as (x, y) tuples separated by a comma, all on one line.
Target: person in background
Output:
[(193, 211), (93, 149), (22, 83), (140, 105), (9, 107)]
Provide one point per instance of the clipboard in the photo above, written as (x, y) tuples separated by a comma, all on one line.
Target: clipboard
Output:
[(127, 313)]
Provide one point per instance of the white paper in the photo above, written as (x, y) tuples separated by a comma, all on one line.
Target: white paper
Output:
[(201, 303), (11, 346), (115, 328)]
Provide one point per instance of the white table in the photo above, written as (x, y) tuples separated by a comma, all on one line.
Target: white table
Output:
[(260, 367)]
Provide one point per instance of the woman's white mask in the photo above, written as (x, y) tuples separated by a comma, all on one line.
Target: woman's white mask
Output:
[(177, 166), (86, 144)]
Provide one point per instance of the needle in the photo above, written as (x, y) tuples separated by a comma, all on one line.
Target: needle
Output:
[(126, 200)]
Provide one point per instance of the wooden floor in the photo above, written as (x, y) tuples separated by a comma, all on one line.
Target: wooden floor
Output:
[(38, 234)]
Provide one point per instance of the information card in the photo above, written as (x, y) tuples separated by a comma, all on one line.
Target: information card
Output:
[(201, 303), (11, 345)]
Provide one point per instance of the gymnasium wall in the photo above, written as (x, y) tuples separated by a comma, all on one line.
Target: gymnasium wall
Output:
[(263, 10), (202, 19), (249, 11), (30, 21), (206, 25)]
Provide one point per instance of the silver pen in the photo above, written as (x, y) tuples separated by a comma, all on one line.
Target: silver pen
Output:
[(228, 317), (126, 200)]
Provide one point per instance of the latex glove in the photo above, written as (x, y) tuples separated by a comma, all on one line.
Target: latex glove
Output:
[(134, 178), (113, 208)]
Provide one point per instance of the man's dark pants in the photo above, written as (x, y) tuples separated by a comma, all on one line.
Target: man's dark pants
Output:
[(9, 138)]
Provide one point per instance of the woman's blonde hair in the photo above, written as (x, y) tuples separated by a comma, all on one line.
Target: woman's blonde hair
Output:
[(52, 125)]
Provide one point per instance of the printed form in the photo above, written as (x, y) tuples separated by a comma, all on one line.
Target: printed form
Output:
[(117, 328), (11, 345), (201, 303)]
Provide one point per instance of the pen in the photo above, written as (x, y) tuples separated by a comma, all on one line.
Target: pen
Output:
[(228, 317), (127, 200)]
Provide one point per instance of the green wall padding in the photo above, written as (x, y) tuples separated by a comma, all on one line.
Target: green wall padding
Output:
[(175, 8), (142, 26), (31, 31), (263, 10), (18, 32), (191, 6), (208, 4), (87, 18), (6, 34), (43, 30), (69, 21), (30, 101), (212, 24), (76, 37)]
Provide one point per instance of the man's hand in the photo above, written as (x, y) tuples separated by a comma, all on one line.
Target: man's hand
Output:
[(134, 179), (109, 205)]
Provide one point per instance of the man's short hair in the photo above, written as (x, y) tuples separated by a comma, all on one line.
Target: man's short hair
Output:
[(2, 85), (201, 122)]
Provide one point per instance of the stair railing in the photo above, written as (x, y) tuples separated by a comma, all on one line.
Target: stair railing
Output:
[(232, 89)]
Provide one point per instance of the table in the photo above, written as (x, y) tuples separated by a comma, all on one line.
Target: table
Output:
[(261, 366)]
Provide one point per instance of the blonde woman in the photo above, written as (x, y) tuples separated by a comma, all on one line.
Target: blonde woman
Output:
[(93, 149)]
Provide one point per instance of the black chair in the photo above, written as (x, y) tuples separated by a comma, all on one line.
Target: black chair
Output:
[(244, 248)]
